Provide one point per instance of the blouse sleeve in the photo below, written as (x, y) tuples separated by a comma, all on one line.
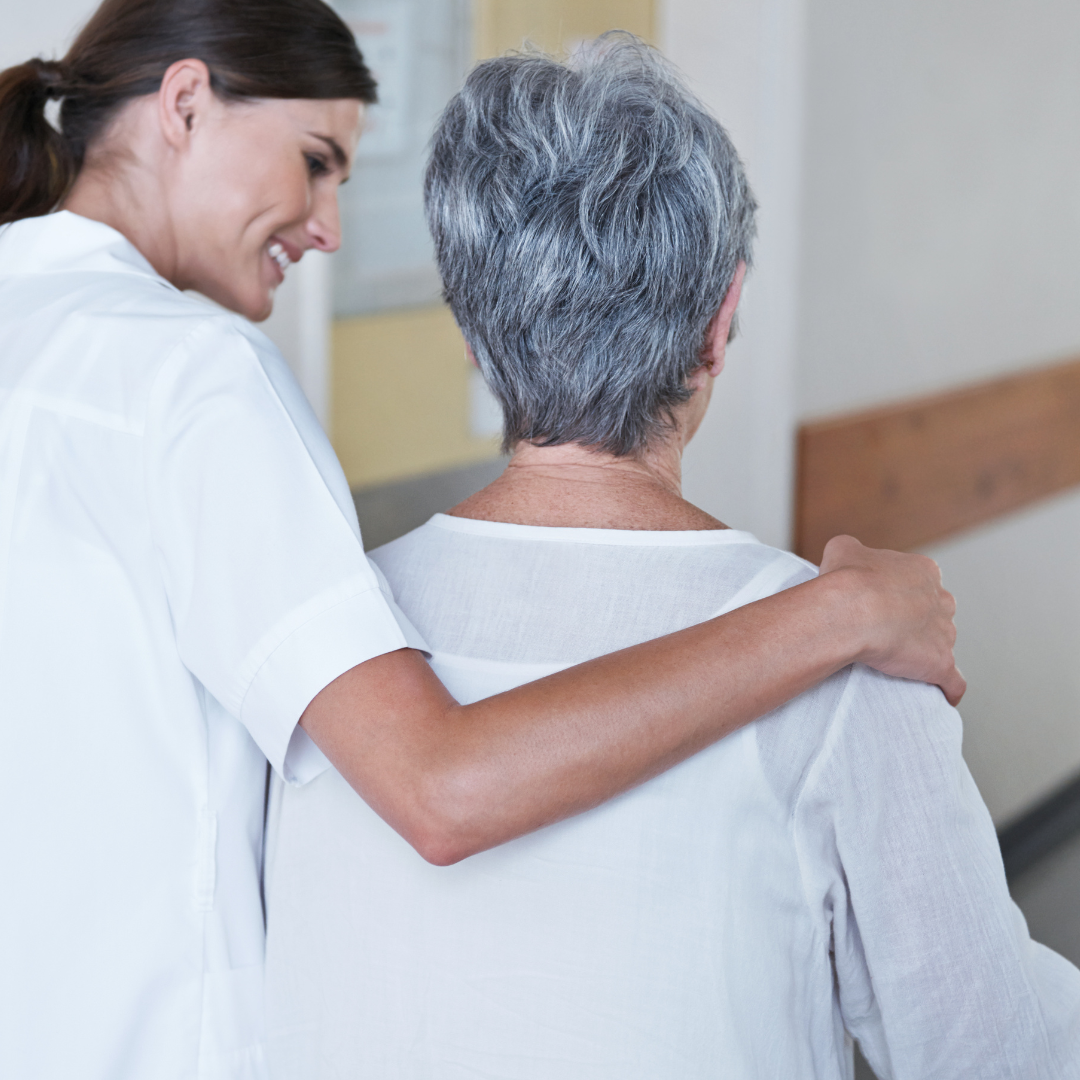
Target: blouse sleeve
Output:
[(271, 594), (936, 974)]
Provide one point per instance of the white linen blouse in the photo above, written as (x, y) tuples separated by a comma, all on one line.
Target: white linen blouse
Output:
[(180, 574), (829, 872)]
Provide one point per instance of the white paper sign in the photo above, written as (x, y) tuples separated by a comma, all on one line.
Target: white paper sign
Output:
[(383, 34)]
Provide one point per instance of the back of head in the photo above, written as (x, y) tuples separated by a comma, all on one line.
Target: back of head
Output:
[(273, 49), (588, 220)]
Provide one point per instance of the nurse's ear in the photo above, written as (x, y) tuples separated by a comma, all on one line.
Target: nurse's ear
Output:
[(183, 100)]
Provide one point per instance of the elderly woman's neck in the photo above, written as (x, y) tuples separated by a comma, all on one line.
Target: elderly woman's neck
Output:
[(571, 486)]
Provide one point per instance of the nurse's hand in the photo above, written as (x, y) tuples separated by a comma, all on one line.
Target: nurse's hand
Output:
[(905, 613)]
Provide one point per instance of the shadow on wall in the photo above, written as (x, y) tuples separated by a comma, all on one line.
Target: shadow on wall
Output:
[(388, 511)]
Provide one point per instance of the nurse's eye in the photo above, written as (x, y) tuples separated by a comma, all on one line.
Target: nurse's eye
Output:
[(317, 166)]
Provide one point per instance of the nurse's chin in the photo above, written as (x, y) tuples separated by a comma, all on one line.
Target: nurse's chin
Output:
[(256, 307), (266, 309)]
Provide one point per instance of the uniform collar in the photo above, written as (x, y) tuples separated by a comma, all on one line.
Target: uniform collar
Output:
[(64, 242)]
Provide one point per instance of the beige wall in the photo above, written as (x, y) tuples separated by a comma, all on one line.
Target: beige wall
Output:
[(399, 381), (554, 25), (941, 244), (400, 402)]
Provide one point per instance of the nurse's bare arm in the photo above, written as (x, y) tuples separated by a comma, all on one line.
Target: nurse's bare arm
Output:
[(454, 780)]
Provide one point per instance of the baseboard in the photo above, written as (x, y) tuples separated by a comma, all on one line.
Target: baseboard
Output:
[(1036, 833)]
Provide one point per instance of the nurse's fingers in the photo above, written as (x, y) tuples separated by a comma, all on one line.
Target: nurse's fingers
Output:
[(901, 612)]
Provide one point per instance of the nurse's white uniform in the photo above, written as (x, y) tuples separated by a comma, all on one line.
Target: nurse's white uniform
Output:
[(180, 574)]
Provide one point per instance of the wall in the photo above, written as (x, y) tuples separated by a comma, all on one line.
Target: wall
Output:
[(401, 396), (744, 59), (43, 30), (300, 327), (941, 244), (942, 203), (555, 25)]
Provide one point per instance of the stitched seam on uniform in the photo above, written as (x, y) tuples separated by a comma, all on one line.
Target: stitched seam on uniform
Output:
[(90, 413), (272, 391), (15, 416), (206, 860), (212, 321), (828, 743)]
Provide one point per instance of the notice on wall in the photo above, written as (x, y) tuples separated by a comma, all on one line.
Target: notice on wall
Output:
[(383, 34), (418, 51)]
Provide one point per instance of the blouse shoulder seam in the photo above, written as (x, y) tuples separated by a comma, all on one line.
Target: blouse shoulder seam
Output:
[(830, 740)]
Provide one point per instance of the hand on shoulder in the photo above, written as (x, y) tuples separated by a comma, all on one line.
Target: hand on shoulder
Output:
[(901, 609)]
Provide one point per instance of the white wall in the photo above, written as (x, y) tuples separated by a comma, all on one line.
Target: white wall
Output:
[(941, 244), (744, 59), (42, 29), (300, 327), (1018, 586), (918, 168), (942, 194)]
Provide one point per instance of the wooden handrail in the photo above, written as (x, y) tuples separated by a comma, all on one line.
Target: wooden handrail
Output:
[(909, 474)]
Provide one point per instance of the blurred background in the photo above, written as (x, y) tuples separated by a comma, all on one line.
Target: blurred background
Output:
[(908, 363)]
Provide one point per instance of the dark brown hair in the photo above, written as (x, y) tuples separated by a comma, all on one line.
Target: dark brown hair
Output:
[(253, 48)]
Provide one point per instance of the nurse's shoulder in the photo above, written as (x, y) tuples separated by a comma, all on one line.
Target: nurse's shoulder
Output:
[(84, 318)]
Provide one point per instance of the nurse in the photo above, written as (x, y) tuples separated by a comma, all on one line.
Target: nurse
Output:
[(184, 595)]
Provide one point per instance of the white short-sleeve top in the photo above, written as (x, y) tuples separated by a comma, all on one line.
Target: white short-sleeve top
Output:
[(181, 572), (827, 872)]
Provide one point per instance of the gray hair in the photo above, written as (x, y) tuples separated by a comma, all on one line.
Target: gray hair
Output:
[(588, 220)]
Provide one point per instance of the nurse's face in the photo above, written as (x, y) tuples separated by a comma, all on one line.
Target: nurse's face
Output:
[(257, 188)]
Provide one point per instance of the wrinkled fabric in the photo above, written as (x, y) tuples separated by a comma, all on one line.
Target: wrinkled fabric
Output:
[(829, 872), (180, 574)]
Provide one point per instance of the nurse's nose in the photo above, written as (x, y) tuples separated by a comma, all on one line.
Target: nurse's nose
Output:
[(323, 225)]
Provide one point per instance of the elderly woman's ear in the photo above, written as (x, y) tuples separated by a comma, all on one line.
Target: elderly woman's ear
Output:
[(716, 337)]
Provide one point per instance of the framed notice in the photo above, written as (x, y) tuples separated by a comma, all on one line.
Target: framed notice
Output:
[(419, 51)]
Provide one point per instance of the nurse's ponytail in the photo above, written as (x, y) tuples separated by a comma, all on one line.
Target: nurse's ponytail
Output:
[(269, 49), (36, 167)]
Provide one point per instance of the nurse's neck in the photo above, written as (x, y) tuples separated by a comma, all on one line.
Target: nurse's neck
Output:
[(123, 184), (572, 486)]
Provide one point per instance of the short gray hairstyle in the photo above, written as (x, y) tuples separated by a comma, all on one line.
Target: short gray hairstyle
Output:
[(588, 219)]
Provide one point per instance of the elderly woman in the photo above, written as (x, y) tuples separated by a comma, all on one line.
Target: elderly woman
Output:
[(830, 873)]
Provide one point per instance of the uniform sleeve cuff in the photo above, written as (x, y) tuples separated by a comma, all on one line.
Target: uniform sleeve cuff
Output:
[(358, 628)]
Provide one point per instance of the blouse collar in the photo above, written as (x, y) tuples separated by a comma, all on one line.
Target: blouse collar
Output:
[(64, 242)]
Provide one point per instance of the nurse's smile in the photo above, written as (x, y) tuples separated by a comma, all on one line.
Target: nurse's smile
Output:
[(239, 190), (277, 252)]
